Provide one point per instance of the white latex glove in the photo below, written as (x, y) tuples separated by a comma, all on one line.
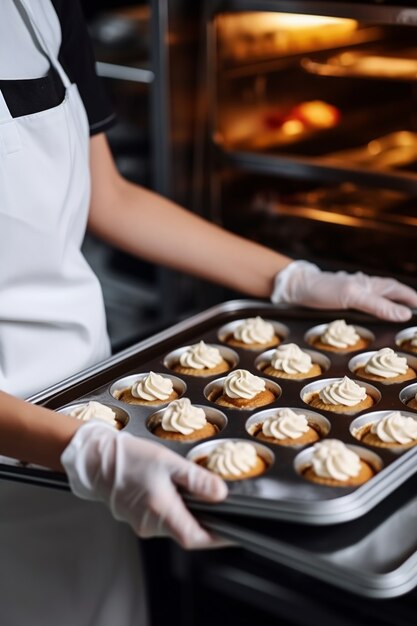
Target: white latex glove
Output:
[(303, 283), (138, 480)]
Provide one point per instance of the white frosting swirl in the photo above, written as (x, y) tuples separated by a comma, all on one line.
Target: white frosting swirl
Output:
[(340, 335), (200, 356), (332, 459), (181, 416), (286, 425), (289, 358), (243, 384), (95, 410), (232, 458), (386, 363), (413, 340), (152, 387), (395, 428), (344, 391), (254, 330)]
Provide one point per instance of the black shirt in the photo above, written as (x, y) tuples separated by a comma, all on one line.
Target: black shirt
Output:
[(25, 97)]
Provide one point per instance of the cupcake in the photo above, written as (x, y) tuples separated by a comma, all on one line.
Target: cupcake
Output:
[(254, 334), (386, 366), (394, 430), (242, 390), (340, 337), (289, 361), (410, 344), (234, 460), (201, 360), (341, 396), (412, 403), (96, 411), (287, 428), (336, 465), (151, 390), (181, 421)]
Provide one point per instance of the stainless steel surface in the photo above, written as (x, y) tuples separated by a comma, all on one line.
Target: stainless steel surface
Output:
[(280, 493), (374, 556)]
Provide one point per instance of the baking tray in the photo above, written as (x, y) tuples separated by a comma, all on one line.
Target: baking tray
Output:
[(280, 493), (374, 556)]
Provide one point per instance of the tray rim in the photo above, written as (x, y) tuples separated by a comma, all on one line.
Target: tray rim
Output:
[(391, 584)]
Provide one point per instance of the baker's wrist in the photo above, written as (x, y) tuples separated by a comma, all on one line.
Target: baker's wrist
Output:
[(283, 290)]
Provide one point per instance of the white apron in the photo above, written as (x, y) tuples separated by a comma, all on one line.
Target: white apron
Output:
[(62, 560)]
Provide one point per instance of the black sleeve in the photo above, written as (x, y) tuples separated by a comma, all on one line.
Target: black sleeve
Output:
[(77, 58)]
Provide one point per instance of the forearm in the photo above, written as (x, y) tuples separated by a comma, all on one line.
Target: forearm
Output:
[(153, 228), (32, 433)]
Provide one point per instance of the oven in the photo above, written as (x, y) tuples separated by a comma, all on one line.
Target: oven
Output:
[(306, 129)]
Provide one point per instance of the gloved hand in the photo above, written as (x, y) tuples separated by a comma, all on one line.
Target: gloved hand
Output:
[(303, 283), (138, 480)]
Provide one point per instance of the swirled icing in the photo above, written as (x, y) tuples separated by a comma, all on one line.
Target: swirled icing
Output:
[(232, 458), (332, 459), (181, 416), (94, 410), (254, 330), (152, 387), (285, 425), (344, 391), (201, 356), (340, 335), (291, 359), (242, 384), (395, 428), (387, 364), (413, 340)]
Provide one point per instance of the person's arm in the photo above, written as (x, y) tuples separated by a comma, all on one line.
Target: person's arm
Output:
[(153, 228), (136, 478), (32, 433)]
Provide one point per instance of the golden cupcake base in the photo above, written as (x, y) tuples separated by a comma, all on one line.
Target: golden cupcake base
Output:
[(412, 404), (260, 467), (315, 370), (261, 399), (366, 473), (361, 344), (309, 437), (126, 396), (224, 366), (209, 430), (407, 345), (231, 341), (409, 375), (316, 402)]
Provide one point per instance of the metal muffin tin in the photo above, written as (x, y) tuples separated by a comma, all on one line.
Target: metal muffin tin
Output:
[(280, 493)]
